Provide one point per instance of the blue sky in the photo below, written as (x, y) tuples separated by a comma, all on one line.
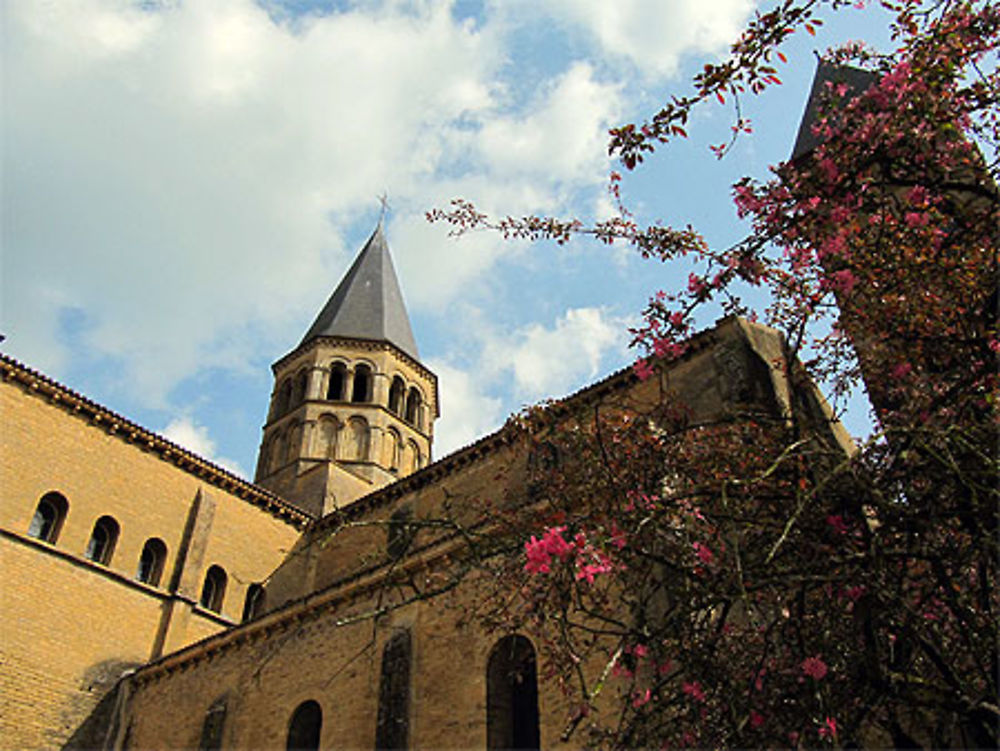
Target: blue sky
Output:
[(184, 183)]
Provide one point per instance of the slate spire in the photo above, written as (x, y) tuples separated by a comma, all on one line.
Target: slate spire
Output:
[(367, 303)]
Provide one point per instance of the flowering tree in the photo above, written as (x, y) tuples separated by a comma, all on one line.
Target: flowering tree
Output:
[(737, 584)]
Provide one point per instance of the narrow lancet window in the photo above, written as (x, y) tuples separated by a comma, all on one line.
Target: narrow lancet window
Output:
[(304, 727), (413, 400), (396, 395), (512, 695), (361, 391), (392, 727), (338, 378)]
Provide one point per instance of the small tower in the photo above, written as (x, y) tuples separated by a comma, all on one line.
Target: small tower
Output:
[(353, 408)]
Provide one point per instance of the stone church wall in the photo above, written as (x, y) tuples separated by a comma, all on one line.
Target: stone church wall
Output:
[(321, 642), (70, 626)]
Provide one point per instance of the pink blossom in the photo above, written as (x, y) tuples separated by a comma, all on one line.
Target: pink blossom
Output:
[(837, 522), (829, 169), (918, 195), (696, 285), (814, 667), (693, 690), (643, 370), (667, 348), (854, 593), (756, 719), (995, 344), (617, 537), (703, 552), (841, 281), (589, 570), (641, 699), (828, 729), (640, 651), (901, 370), (916, 219), (539, 553)]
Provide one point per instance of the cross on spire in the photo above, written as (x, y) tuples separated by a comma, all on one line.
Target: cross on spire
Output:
[(384, 200)]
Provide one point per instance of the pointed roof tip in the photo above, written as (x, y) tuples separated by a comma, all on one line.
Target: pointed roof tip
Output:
[(857, 81), (368, 303)]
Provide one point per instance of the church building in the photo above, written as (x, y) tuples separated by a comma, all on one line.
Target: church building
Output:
[(154, 600)]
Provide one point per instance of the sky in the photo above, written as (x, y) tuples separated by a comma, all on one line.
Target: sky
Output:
[(185, 183)]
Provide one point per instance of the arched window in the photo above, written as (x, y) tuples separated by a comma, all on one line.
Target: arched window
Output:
[(303, 730), (49, 515), (102, 542), (254, 603), (411, 457), (362, 389), (399, 533), (392, 444), (213, 591), (338, 379), (392, 728), (300, 391), (284, 398), (358, 448), (279, 448), (294, 445), (154, 555), (512, 695), (326, 437), (396, 395), (413, 400), (212, 727)]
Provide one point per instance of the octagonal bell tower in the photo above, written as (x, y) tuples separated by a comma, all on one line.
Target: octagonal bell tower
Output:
[(352, 408)]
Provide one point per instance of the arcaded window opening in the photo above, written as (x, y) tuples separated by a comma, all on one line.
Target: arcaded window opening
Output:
[(48, 519), (327, 436), (284, 398), (413, 400), (392, 729), (358, 439), (254, 603), (154, 554), (213, 591), (512, 695), (304, 727), (301, 387), (212, 727), (103, 539), (338, 379), (396, 395), (399, 533), (362, 389)]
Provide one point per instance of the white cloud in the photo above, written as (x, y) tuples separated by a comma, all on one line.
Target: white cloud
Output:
[(509, 370), (552, 361), (187, 433), (181, 179), (467, 412), (650, 34), (171, 172), (564, 134)]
